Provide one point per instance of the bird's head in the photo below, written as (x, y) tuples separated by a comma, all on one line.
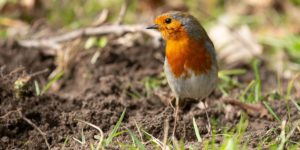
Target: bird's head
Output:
[(175, 25)]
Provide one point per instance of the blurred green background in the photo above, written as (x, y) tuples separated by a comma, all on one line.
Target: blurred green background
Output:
[(76, 13)]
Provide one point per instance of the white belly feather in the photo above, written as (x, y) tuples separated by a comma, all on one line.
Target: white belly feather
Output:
[(195, 86)]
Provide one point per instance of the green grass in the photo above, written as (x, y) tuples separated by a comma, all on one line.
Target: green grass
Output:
[(102, 141), (65, 143), (271, 111), (99, 43), (252, 92), (291, 86), (51, 82), (137, 143), (255, 91), (232, 139), (227, 82), (37, 88), (289, 92), (243, 95), (98, 137), (290, 43), (197, 130), (156, 143), (115, 129)]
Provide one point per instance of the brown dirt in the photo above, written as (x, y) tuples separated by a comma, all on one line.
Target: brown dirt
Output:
[(98, 93)]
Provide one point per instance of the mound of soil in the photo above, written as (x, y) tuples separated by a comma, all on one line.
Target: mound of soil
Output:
[(98, 93)]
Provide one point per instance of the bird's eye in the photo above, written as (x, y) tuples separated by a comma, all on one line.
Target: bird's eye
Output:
[(168, 20)]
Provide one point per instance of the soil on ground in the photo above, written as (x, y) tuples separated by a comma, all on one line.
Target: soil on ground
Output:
[(98, 93)]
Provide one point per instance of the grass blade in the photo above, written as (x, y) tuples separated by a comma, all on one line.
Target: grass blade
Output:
[(136, 141), (296, 105), (242, 97), (82, 140), (231, 72), (65, 143), (37, 88), (282, 136), (271, 111), (115, 129), (97, 128), (257, 89), (230, 145), (155, 140), (53, 80), (291, 85), (196, 130)]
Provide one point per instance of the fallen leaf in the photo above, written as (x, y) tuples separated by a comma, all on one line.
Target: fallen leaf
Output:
[(234, 45)]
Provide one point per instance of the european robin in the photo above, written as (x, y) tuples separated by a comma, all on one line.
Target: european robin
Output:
[(190, 63)]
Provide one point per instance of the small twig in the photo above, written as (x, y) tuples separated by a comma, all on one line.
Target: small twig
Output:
[(209, 129), (101, 18), (35, 127), (139, 131), (251, 109), (97, 128), (166, 132), (39, 72), (8, 113), (17, 70), (241, 104), (5, 78), (175, 116), (155, 140), (54, 42), (122, 12)]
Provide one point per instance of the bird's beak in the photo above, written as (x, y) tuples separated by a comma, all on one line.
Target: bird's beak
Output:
[(153, 27)]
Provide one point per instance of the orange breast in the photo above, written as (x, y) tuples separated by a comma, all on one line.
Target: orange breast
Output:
[(185, 54)]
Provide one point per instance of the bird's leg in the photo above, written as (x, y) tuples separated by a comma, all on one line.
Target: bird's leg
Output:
[(176, 115), (209, 130)]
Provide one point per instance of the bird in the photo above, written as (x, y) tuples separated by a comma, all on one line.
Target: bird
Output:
[(190, 63)]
